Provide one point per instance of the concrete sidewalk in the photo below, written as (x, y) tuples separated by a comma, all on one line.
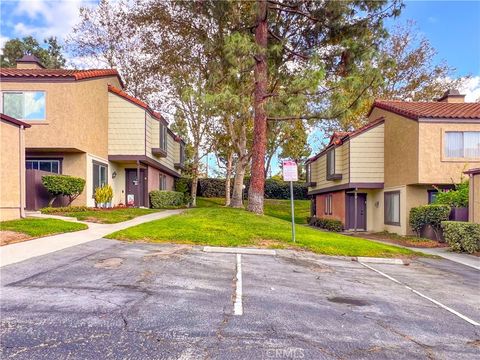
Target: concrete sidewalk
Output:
[(17, 252)]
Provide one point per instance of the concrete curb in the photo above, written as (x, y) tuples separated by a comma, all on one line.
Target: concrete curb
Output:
[(231, 250), (374, 260)]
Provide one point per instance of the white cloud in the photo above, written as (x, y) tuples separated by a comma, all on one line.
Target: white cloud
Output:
[(3, 40), (471, 89)]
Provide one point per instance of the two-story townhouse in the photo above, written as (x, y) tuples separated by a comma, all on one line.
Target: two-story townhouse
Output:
[(72, 117), (371, 178)]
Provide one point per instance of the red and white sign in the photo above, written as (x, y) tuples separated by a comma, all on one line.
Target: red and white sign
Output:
[(290, 170)]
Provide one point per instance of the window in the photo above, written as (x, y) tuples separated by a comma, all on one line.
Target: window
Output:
[(24, 105), (163, 137), (163, 182), (308, 170), (182, 153), (432, 194), (392, 208), (464, 144), (328, 204), (44, 164), (99, 175), (330, 163)]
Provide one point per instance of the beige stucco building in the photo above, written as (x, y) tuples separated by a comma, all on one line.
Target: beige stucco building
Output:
[(83, 124), (371, 178), (474, 195), (12, 162)]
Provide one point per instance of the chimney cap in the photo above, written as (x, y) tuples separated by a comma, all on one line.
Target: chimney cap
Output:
[(28, 58), (451, 93)]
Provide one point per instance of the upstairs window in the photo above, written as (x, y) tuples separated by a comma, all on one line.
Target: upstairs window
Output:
[(182, 153), (308, 170), (331, 162), (24, 105), (462, 144), (163, 137)]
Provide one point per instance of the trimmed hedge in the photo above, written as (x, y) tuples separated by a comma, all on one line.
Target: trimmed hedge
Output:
[(160, 199), (327, 224), (63, 185), (432, 215), (274, 189), (462, 236)]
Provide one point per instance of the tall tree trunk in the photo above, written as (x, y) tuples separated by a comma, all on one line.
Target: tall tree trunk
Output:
[(196, 162), (240, 168), (257, 182), (228, 177)]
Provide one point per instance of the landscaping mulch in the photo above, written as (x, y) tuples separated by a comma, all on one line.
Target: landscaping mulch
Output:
[(401, 240), (11, 237)]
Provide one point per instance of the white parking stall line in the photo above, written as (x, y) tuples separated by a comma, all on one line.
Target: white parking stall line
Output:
[(237, 306), (461, 316)]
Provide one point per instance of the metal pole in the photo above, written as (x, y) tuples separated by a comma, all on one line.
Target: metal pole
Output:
[(293, 211)]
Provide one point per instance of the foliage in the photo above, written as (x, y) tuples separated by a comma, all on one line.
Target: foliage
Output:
[(99, 215), (51, 57), (103, 194), (432, 215), (462, 236), (237, 227), (458, 197), (54, 210), (160, 199), (63, 185), (41, 227), (327, 224)]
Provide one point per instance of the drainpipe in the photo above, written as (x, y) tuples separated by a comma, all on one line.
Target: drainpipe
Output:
[(355, 211), (138, 184), (22, 170)]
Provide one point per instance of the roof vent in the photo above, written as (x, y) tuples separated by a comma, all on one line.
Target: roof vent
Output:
[(29, 62), (452, 96)]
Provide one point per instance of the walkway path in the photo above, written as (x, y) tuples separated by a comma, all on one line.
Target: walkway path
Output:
[(17, 252)]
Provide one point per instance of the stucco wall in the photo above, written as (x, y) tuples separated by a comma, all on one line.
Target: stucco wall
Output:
[(367, 156), (374, 209), (10, 162), (474, 199), (76, 114), (434, 167), (338, 206)]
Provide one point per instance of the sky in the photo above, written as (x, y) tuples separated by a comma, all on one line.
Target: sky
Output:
[(452, 27)]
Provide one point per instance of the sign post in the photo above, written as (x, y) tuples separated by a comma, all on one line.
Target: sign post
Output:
[(290, 173)]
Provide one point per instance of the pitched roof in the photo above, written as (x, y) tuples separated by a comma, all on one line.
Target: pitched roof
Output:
[(14, 121), (136, 101), (339, 137), (57, 73), (437, 110)]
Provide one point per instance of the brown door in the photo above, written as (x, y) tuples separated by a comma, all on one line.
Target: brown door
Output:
[(361, 223), (133, 195)]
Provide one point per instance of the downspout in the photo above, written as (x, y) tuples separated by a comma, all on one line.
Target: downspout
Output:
[(22, 170)]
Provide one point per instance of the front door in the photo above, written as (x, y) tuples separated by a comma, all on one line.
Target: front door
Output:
[(133, 195), (361, 223)]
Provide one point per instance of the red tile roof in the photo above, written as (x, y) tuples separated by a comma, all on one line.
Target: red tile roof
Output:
[(136, 101), (14, 121), (58, 73), (443, 110)]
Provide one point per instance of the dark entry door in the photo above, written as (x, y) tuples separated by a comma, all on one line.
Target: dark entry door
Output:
[(133, 195), (361, 212)]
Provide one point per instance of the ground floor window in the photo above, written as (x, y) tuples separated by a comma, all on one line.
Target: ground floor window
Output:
[(162, 182), (432, 195), (49, 165), (99, 175), (392, 208), (328, 204)]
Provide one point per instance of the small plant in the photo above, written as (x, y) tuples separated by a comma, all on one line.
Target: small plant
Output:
[(63, 185), (457, 197), (432, 215), (462, 236), (160, 199), (103, 195), (327, 224)]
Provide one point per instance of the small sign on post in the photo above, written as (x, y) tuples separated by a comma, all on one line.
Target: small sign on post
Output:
[(290, 173)]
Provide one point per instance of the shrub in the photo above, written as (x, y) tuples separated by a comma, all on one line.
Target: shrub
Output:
[(458, 197), (327, 224), (63, 185), (53, 210), (462, 236), (432, 215), (103, 194), (160, 199)]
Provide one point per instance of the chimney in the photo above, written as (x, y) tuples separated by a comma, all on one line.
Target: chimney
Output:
[(452, 96), (29, 62)]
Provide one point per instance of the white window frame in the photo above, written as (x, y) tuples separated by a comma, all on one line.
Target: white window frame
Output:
[(23, 92), (51, 161), (445, 153)]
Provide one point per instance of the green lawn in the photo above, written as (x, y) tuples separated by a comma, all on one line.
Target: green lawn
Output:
[(276, 208), (41, 227), (218, 226), (107, 216)]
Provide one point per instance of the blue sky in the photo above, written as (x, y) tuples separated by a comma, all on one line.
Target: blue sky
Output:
[(453, 28)]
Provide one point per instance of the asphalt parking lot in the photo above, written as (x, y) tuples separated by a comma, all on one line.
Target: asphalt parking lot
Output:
[(113, 300)]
